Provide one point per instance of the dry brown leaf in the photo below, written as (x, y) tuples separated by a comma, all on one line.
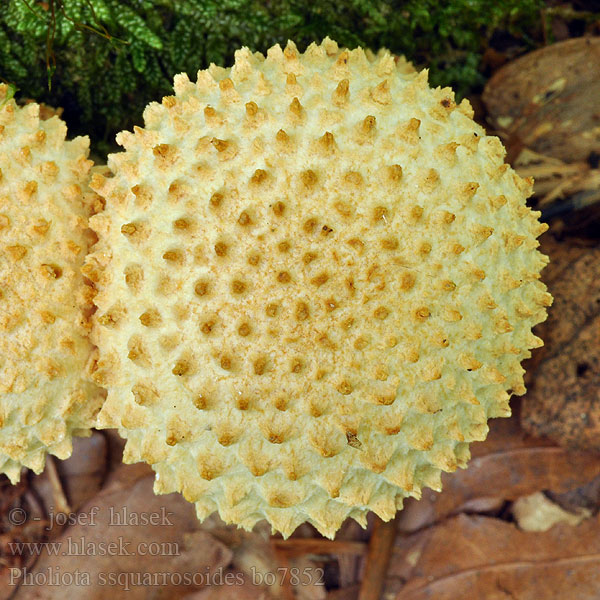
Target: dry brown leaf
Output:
[(253, 555), (480, 557), (586, 496), (555, 179), (547, 100), (509, 464), (241, 589), (563, 401), (311, 586), (166, 551)]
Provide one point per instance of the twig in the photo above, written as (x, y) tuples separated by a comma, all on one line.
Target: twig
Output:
[(82, 26), (543, 15), (300, 546), (283, 558), (378, 558), (60, 499), (55, 7)]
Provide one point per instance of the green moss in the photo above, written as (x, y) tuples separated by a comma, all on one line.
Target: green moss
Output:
[(103, 84)]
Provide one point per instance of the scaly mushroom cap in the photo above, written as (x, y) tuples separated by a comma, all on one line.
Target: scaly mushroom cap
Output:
[(45, 397), (317, 279)]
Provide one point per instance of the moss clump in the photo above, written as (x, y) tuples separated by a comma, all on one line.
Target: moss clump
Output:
[(103, 84)]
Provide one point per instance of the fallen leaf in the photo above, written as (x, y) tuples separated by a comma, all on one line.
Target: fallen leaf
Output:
[(563, 401), (481, 557), (253, 554), (348, 593), (240, 589), (392, 586), (484, 505), (306, 579), (586, 496), (167, 557), (547, 100), (538, 513), (556, 180), (508, 465)]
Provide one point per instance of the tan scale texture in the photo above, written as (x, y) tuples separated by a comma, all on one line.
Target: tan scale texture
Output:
[(316, 282), (45, 304)]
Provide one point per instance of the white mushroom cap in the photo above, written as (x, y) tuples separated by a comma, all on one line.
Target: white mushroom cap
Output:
[(45, 397), (316, 282)]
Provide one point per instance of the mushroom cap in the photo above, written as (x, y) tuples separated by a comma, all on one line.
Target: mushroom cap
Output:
[(45, 397), (316, 282)]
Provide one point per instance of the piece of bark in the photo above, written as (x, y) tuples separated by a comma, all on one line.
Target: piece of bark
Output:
[(547, 100), (563, 400), (481, 557)]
